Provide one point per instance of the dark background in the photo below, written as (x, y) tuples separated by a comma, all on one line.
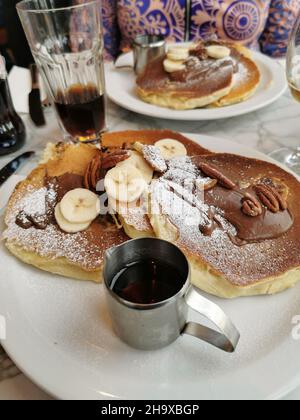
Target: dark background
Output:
[(13, 44)]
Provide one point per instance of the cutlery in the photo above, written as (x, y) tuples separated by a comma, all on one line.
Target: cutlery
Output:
[(13, 166), (35, 104)]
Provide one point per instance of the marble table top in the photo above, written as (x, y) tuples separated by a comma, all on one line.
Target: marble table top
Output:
[(274, 127)]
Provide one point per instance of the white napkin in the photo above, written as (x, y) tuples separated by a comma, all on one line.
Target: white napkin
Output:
[(125, 60), (19, 81)]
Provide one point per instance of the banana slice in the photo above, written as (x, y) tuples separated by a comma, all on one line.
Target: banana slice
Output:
[(137, 161), (124, 183), (171, 66), (80, 206), (218, 51), (123, 208), (178, 54), (178, 57), (67, 226), (177, 49), (138, 147), (171, 148)]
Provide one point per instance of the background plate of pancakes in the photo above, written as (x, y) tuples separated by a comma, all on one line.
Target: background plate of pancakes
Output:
[(60, 335), (122, 90)]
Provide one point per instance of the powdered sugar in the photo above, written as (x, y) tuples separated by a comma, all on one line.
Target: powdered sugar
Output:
[(155, 159), (178, 195), (188, 212), (34, 203), (241, 76), (175, 195), (52, 243), (137, 215), (213, 64), (82, 249)]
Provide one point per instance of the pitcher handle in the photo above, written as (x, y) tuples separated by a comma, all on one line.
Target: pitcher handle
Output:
[(227, 338)]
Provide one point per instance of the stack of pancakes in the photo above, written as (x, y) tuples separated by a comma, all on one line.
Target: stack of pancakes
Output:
[(80, 255), (240, 255), (208, 81)]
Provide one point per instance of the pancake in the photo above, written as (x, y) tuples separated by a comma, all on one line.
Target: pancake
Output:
[(78, 256), (155, 86), (261, 258), (149, 137), (214, 82), (245, 80), (231, 253), (236, 219)]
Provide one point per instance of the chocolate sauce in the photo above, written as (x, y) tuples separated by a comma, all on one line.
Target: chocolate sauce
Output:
[(203, 72), (203, 79), (266, 226), (23, 221), (26, 221), (250, 229), (147, 282), (39, 221), (58, 186), (65, 183)]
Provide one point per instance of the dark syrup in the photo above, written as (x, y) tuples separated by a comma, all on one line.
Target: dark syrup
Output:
[(147, 282), (12, 128), (82, 111)]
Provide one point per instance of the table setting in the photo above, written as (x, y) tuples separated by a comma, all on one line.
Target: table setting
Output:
[(198, 293)]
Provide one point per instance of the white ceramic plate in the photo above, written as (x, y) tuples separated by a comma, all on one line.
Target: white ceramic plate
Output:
[(60, 335), (121, 89)]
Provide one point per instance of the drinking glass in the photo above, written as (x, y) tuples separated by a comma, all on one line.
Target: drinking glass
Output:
[(291, 158), (65, 37)]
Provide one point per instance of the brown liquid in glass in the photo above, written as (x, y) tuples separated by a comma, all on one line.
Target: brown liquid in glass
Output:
[(82, 111), (147, 282)]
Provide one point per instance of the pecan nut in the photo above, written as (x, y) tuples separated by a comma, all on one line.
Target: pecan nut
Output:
[(283, 191), (199, 51), (269, 197), (214, 173), (98, 167), (283, 205), (110, 161), (126, 146), (278, 186), (86, 180), (92, 173), (251, 206)]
